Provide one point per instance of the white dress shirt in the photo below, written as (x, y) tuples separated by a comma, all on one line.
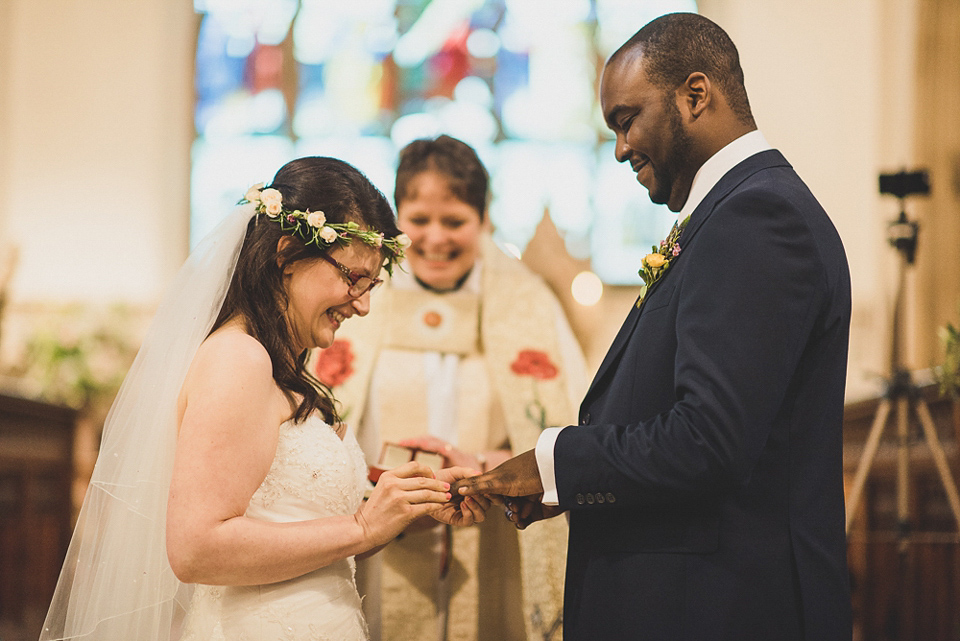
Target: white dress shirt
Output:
[(706, 178)]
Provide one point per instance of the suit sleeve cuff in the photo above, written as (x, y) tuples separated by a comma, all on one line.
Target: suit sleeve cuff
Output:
[(544, 453)]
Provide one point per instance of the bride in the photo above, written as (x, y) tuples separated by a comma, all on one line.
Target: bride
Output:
[(227, 500)]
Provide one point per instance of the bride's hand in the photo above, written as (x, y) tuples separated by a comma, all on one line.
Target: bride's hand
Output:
[(401, 496), (470, 510)]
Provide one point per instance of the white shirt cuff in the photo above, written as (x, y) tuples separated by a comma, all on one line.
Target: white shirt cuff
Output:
[(544, 453)]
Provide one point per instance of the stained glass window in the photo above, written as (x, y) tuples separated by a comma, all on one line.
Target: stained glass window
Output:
[(517, 79)]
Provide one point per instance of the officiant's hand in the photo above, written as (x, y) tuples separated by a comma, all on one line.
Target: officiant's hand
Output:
[(516, 477), (452, 456), (461, 513)]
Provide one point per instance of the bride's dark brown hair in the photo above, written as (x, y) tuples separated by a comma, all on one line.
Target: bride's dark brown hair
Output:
[(256, 293)]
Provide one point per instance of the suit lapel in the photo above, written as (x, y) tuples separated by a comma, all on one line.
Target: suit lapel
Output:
[(701, 213), (730, 181), (616, 349)]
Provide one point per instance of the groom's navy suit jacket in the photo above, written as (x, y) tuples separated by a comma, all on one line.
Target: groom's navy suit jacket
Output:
[(704, 482)]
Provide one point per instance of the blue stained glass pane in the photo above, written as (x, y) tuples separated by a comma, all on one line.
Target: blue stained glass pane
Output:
[(222, 172), (218, 74), (512, 74)]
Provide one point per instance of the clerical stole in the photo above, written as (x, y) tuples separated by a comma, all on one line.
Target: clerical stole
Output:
[(510, 383)]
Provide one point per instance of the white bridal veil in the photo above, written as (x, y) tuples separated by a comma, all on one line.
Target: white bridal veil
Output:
[(116, 583)]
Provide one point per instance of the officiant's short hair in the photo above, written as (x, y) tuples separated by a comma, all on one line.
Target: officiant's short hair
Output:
[(466, 176)]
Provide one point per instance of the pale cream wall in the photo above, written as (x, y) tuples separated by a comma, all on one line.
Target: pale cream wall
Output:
[(96, 132), (5, 105), (831, 85)]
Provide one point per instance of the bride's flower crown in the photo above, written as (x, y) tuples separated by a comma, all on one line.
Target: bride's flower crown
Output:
[(313, 229)]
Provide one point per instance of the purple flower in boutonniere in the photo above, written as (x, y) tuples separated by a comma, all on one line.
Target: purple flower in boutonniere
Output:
[(658, 261)]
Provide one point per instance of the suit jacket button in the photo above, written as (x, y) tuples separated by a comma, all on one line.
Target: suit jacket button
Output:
[(579, 498), (611, 498), (600, 498), (586, 419), (590, 498)]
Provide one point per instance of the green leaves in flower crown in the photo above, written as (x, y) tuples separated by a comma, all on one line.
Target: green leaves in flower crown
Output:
[(313, 229)]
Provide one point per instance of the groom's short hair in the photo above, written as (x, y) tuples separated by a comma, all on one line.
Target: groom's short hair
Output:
[(678, 44)]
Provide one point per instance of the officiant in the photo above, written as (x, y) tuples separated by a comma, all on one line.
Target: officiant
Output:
[(467, 354)]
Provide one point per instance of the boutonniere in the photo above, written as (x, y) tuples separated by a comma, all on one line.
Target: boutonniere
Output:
[(657, 262)]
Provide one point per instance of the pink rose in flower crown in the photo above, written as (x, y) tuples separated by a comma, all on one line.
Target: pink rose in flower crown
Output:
[(316, 219), (328, 234), (270, 195), (253, 194), (334, 364)]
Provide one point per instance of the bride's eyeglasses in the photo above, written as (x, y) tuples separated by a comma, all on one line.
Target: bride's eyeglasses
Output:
[(359, 284)]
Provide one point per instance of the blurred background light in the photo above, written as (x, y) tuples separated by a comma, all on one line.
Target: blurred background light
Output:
[(586, 288)]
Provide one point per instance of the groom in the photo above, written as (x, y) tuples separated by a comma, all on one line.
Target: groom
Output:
[(704, 483)]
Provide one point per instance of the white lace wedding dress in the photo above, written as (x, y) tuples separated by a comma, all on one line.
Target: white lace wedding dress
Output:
[(314, 474)]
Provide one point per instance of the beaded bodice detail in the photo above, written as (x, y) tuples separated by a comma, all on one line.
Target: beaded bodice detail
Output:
[(314, 474)]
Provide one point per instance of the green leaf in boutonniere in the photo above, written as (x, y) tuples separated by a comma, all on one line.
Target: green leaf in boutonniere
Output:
[(656, 263)]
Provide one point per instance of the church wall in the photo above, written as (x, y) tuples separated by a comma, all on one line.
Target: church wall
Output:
[(96, 130), (95, 133), (831, 85)]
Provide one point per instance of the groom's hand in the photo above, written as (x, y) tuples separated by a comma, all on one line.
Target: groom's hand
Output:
[(524, 510), (518, 476), (462, 512)]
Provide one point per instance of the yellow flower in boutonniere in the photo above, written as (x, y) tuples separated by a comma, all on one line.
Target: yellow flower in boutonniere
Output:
[(656, 263)]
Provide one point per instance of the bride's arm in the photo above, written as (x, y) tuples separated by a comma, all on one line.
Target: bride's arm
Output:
[(231, 412)]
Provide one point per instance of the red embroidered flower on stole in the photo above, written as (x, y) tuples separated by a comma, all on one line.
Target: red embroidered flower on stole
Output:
[(334, 364), (536, 364), (532, 362)]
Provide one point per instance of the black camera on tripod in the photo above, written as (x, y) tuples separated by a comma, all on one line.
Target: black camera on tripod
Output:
[(905, 183), (902, 232)]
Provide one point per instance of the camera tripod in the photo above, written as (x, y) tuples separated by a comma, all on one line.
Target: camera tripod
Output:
[(903, 394)]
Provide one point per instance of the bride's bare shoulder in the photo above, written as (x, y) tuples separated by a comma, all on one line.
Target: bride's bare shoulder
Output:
[(234, 347), (230, 354)]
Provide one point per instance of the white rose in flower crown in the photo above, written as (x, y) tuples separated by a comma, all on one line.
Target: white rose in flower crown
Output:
[(316, 219), (378, 240), (403, 241), (253, 194), (268, 196), (273, 209), (328, 234)]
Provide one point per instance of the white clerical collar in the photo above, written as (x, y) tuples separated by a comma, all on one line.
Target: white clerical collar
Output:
[(404, 278), (719, 164)]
